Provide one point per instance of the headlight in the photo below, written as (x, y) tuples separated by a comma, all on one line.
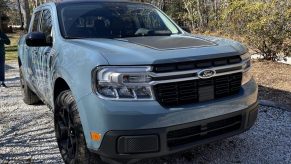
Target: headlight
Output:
[(247, 75), (123, 83), (246, 56)]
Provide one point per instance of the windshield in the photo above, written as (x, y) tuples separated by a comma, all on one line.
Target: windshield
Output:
[(113, 20)]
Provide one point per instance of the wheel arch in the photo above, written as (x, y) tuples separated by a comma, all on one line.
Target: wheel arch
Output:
[(60, 85)]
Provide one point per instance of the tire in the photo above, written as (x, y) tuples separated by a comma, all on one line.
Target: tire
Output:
[(29, 97), (69, 132)]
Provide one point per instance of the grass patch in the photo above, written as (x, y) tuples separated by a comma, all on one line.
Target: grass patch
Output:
[(11, 50)]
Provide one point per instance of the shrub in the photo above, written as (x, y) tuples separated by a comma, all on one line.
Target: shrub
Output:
[(265, 24)]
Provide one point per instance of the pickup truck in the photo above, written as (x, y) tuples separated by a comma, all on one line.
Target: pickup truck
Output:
[(126, 83)]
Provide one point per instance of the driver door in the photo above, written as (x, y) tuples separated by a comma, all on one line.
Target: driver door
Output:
[(32, 53), (45, 57)]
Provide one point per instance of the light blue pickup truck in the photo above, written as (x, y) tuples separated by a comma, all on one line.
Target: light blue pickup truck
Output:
[(126, 83)]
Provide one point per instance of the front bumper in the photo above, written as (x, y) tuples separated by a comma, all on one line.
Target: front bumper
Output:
[(102, 115), (148, 143)]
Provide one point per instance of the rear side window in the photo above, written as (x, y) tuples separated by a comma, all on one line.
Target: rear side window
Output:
[(46, 22), (35, 22)]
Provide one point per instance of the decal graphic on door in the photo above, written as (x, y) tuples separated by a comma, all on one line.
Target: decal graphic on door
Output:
[(44, 69)]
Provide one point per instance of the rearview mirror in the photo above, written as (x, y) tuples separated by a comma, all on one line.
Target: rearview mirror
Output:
[(37, 39)]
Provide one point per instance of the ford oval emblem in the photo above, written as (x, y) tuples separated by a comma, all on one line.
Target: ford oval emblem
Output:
[(206, 74)]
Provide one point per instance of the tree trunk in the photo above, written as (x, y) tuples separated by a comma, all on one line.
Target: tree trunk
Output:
[(26, 14), (0, 21), (20, 15), (215, 10), (35, 3), (199, 14), (190, 7)]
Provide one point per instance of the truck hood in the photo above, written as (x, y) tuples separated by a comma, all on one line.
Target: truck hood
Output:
[(161, 49)]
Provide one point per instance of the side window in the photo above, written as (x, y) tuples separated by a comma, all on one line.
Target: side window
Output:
[(46, 22), (35, 22)]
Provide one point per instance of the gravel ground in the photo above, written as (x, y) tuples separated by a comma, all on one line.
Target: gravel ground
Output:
[(27, 135)]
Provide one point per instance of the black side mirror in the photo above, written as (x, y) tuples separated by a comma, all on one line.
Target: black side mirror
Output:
[(38, 39), (187, 29)]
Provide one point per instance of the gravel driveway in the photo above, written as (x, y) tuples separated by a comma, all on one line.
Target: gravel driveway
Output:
[(27, 135)]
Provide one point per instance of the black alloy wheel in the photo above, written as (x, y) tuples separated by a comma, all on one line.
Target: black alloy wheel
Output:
[(69, 132)]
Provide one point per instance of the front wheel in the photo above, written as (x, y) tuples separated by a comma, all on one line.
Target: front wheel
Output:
[(69, 132)]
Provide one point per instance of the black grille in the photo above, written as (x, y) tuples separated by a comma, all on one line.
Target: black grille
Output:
[(197, 133), (182, 66), (187, 92), (138, 144)]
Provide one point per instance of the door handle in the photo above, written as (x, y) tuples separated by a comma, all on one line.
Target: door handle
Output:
[(50, 62)]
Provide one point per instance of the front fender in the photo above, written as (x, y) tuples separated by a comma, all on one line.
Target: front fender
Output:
[(74, 65)]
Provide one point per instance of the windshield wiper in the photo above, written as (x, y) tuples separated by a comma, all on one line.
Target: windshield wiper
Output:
[(73, 37), (163, 33)]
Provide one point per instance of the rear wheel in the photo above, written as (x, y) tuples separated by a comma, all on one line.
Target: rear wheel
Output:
[(29, 97), (69, 132)]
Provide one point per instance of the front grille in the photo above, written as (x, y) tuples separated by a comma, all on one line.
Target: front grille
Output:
[(190, 65), (197, 133), (193, 91)]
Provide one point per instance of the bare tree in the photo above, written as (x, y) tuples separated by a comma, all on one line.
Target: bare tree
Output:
[(3, 10), (2, 7), (20, 15), (159, 3), (0, 21), (26, 13), (35, 3), (190, 6)]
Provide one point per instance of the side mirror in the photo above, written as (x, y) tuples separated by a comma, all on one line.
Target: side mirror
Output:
[(38, 39)]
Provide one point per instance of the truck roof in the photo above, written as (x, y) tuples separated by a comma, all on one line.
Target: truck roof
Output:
[(82, 1), (61, 2)]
